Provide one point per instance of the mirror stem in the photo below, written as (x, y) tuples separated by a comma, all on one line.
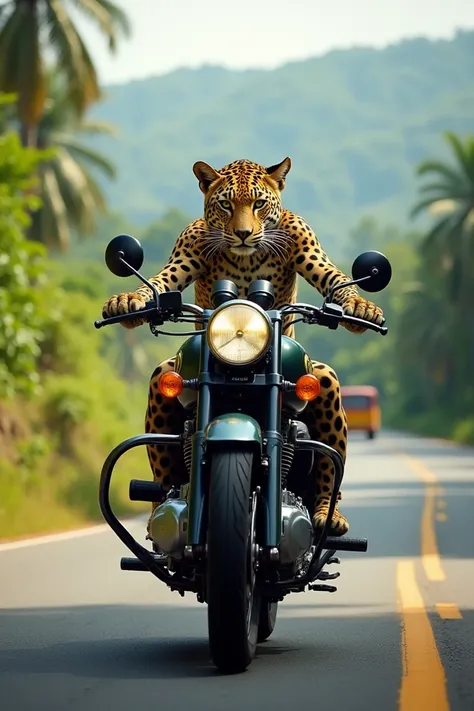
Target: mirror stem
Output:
[(151, 286), (346, 283)]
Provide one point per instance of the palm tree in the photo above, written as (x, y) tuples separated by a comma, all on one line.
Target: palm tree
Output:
[(443, 305), (34, 34), (70, 194), (450, 199)]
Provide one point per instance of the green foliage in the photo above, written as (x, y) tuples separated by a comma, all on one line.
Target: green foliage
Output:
[(369, 358), (463, 431), (56, 441), (449, 198), (22, 270), (70, 195), (422, 368), (442, 300), (157, 240), (81, 409), (32, 454), (7, 111), (134, 354)]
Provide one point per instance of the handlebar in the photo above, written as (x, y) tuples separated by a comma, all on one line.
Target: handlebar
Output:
[(383, 330), (325, 316), (151, 311), (142, 313)]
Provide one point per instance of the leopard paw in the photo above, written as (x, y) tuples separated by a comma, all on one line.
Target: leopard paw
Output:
[(361, 308), (339, 524), (124, 304)]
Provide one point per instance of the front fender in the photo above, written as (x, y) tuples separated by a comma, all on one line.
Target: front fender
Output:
[(233, 429)]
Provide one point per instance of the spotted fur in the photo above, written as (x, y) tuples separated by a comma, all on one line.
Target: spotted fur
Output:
[(246, 234)]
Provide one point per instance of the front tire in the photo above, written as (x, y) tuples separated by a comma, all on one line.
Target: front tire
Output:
[(267, 621), (232, 596), (371, 434)]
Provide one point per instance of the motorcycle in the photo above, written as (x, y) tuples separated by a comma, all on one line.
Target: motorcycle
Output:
[(239, 533)]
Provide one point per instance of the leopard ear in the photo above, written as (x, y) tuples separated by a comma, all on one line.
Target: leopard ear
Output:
[(205, 174), (279, 172)]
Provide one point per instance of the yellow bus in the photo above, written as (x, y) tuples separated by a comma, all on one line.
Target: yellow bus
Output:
[(361, 403)]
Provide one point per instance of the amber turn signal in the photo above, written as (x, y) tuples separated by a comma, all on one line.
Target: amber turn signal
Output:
[(307, 387), (170, 384)]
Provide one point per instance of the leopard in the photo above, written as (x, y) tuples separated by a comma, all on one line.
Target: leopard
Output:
[(245, 233)]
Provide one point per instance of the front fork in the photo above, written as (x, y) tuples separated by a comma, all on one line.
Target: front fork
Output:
[(272, 447)]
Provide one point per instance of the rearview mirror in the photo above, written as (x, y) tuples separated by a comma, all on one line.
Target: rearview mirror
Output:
[(372, 271), (126, 248)]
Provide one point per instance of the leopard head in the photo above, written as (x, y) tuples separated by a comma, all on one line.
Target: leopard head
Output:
[(242, 206)]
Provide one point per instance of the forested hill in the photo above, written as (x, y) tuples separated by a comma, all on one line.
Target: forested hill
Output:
[(354, 122)]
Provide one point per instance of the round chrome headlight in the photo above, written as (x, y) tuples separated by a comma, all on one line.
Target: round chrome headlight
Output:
[(239, 334)]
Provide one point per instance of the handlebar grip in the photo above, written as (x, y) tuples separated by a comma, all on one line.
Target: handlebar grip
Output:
[(130, 316), (383, 330)]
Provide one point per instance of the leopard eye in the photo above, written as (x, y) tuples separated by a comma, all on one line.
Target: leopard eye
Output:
[(225, 204), (258, 204)]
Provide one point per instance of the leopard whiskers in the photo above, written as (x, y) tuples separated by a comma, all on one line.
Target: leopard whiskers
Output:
[(277, 242), (279, 236), (211, 250), (214, 242), (272, 241)]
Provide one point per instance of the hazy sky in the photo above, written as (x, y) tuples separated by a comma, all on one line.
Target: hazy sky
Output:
[(264, 33)]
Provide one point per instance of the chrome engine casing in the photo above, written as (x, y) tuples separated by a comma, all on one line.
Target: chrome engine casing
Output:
[(169, 523), (296, 530), (168, 526)]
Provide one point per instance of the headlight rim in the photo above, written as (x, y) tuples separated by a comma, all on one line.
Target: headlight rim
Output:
[(248, 304)]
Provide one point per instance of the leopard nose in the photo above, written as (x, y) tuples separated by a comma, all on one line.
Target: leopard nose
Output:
[(243, 234)]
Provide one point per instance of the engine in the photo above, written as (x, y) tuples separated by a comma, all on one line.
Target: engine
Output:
[(168, 527), (169, 523), (296, 530)]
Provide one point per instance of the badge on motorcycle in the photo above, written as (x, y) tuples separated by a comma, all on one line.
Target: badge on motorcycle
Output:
[(178, 362), (308, 363)]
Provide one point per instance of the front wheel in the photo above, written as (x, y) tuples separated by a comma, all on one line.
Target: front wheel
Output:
[(232, 596)]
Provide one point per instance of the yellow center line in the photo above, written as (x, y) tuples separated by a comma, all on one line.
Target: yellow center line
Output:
[(429, 545), (423, 681), (448, 611), (441, 516)]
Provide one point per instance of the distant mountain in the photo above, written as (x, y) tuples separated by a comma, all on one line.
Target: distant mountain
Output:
[(355, 123)]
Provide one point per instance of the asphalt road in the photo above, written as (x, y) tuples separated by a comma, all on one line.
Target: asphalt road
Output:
[(77, 633)]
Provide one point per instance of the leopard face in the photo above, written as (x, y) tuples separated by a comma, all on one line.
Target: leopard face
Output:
[(242, 207)]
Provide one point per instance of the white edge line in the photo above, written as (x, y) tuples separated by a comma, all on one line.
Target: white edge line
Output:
[(65, 536)]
